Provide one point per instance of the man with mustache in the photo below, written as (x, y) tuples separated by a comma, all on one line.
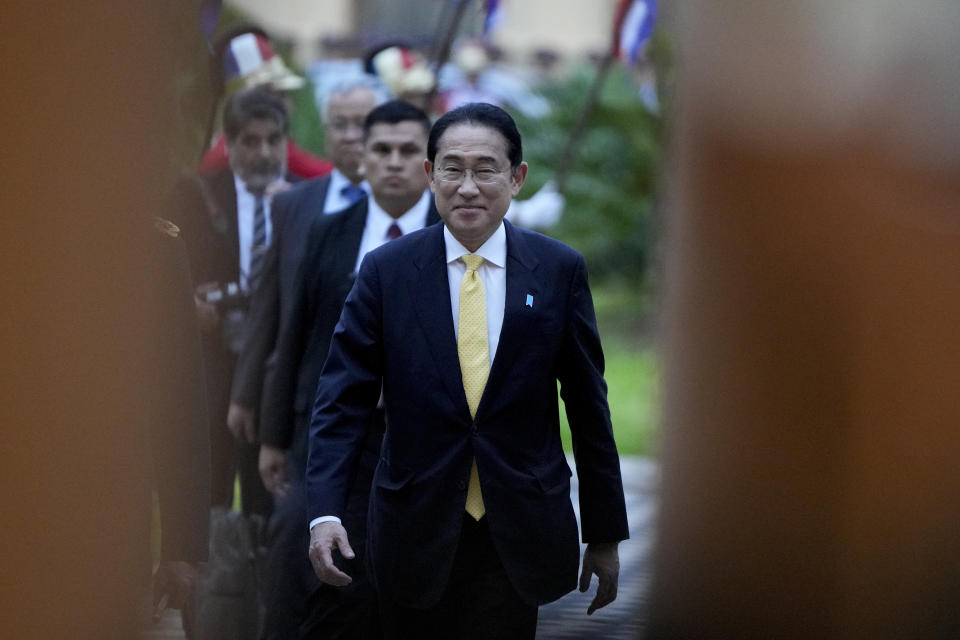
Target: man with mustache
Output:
[(225, 218)]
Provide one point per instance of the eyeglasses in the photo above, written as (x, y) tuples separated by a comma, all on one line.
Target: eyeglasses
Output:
[(342, 126), (456, 175)]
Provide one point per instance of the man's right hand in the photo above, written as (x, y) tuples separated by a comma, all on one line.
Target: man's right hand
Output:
[(173, 584), (273, 469), (324, 538), (240, 422)]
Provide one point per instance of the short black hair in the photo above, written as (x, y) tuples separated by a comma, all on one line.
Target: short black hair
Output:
[(394, 112), (485, 115), (250, 104)]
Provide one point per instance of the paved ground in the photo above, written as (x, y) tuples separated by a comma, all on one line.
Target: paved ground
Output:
[(566, 619)]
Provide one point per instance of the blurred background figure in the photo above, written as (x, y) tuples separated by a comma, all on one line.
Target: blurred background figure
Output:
[(226, 222), (178, 428), (474, 75), (288, 576), (471, 60), (405, 72), (245, 59), (102, 393), (810, 443)]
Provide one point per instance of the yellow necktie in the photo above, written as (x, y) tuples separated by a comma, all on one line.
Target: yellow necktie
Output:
[(474, 359)]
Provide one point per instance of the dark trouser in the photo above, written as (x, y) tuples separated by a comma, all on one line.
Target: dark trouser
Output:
[(349, 612), (228, 458), (478, 603), (297, 605), (289, 578)]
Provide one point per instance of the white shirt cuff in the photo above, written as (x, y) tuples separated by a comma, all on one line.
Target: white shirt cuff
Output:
[(317, 521)]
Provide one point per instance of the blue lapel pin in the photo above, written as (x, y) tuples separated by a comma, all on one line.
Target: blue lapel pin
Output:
[(530, 300)]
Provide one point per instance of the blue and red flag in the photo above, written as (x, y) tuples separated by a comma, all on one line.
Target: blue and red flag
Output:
[(633, 24)]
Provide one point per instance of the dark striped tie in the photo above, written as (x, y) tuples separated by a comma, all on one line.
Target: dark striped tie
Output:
[(259, 247)]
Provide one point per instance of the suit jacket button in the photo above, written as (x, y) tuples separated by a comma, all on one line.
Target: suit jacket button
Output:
[(461, 485)]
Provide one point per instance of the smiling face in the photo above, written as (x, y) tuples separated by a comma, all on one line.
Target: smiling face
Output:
[(472, 211), (392, 160)]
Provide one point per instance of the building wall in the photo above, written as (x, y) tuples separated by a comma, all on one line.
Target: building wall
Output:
[(571, 27)]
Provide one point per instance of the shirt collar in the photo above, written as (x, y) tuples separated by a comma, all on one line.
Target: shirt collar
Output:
[(243, 192), (378, 220), (494, 250), (338, 181)]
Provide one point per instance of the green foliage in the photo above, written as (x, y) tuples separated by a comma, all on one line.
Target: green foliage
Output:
[(633, 383), (609, 217), (611, 186), (305, 124), (632, 369)]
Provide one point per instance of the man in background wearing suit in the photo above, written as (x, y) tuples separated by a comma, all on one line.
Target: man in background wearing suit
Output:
[(177, 433), (394, 144), (344, 109), (225, 219), (464, 331)]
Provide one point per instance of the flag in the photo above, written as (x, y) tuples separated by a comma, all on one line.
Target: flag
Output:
[(633, 25), (494, 16)]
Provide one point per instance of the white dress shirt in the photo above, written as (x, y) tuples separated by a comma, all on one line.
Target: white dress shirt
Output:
[(335, 200), (493, 274), (379, 221), (246, 202)]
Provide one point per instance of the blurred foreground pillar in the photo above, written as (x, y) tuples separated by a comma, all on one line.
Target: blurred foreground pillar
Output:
[(87, 112), (811, 453)]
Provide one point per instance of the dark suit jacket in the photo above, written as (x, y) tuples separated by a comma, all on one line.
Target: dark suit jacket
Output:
[(397, 329), (205, 209), (179, 441), (292, 212), (325, 278)]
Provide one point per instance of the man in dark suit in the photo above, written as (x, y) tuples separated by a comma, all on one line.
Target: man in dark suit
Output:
[(464, 330), (395, 140), (225, 218), (344, 109), (178, 434)]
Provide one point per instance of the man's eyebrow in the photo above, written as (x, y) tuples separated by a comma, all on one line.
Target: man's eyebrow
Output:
[(458, 157)]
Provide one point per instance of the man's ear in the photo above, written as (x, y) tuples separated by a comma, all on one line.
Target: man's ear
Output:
[(517, 178), (428, 167)]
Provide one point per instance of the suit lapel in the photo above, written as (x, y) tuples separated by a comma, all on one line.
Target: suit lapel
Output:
[(518, 317), (430, 290), (226, 190), (320, 201), (341, 249), (355, 219)]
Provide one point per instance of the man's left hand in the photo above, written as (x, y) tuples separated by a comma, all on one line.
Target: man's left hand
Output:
[(602, 559)]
